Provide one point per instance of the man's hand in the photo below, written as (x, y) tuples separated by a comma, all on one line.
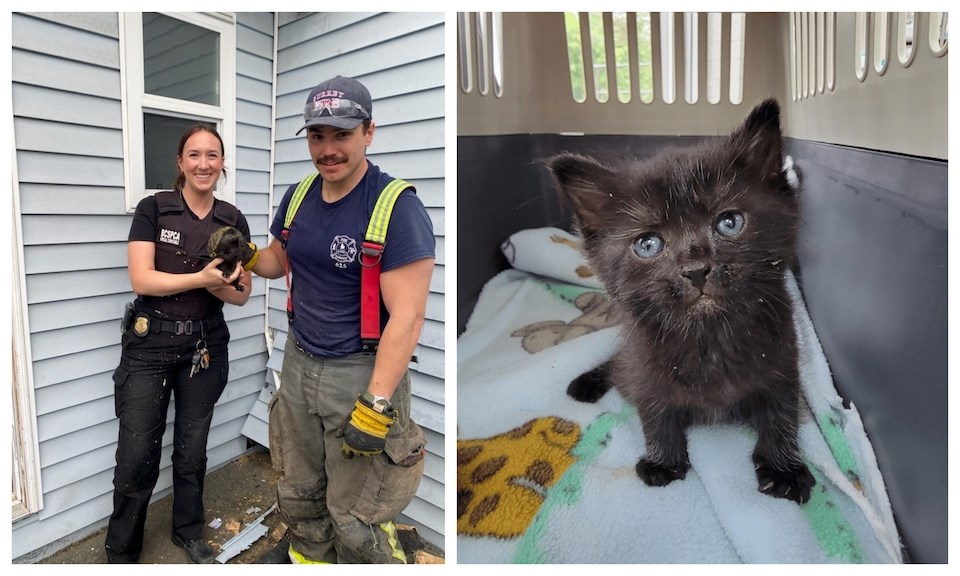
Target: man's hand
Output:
[(365, 432)]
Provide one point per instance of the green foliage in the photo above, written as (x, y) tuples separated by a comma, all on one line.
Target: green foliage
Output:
[(598, 55)]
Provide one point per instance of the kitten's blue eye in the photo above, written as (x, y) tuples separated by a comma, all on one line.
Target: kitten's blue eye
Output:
[(730, 223), (648, 246)]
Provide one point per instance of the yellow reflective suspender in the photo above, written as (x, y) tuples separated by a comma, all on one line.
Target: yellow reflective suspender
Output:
[(370, 256), (295, 201), (377, 229)]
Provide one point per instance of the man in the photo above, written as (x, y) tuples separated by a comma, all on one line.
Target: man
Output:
[(340, 429)]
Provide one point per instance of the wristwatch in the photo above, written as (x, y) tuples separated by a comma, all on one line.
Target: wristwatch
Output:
[(378, 403)]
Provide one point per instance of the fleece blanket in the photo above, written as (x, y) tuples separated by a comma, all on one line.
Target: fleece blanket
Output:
[(542, 478)]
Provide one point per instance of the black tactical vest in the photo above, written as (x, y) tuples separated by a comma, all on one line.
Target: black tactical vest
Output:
[(181, 247)]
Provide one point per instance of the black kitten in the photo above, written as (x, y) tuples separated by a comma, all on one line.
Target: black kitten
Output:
[(693, 247), (228, 243)]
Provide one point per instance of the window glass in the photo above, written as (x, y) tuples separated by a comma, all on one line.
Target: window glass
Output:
[(180, 60), (161, 136)]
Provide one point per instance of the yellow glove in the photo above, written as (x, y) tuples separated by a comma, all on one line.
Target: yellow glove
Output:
[(252, 261), (365, 432)]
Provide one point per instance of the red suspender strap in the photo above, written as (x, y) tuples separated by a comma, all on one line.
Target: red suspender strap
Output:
[(370, 257)]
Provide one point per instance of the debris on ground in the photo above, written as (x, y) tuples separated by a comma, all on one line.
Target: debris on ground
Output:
[(253, 532), (243, 484), (415, 547)]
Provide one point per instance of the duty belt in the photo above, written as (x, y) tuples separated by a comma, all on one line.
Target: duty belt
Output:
[(187, 327)]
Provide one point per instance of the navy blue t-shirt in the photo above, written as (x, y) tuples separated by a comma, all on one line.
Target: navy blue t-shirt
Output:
[(323, 250)]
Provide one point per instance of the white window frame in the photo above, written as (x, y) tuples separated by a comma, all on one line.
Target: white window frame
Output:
[(27, 491), (135, 102)]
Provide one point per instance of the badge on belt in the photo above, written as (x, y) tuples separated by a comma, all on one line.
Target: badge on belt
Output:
[(141, 325)]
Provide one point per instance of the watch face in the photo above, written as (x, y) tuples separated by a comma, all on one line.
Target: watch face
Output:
[(378, 403)]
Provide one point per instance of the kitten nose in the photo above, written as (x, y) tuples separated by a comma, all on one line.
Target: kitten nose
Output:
[(697, 276)]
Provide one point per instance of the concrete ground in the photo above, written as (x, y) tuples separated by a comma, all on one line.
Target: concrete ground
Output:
[(237, 493)]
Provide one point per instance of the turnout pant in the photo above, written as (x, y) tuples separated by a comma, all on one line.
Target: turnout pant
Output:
[(339, 510), (152, 368)]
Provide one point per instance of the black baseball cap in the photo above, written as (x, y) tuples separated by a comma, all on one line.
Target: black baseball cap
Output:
[(340, 101)]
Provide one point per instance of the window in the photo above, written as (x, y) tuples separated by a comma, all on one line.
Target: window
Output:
[(25, 455), (178, 69)]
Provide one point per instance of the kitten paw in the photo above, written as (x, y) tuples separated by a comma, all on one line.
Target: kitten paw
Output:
[(590, 386), (793, 484), (792, 172), (656, 474)]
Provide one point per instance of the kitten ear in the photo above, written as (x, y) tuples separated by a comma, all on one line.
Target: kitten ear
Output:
[(585, 183), (760, 141)]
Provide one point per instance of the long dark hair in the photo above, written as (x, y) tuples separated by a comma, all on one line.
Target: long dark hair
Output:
[(180, 180)]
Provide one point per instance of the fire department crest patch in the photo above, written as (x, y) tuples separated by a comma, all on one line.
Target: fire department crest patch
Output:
[(343, 249)]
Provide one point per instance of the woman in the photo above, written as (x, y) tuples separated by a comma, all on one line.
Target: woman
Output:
[(174, 340)]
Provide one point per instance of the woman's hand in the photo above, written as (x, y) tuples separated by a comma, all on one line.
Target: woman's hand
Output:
[(223, 289), (212, 277)]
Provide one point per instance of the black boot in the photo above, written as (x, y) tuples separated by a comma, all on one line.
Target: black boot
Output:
[(198, 551), (279, 554)]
